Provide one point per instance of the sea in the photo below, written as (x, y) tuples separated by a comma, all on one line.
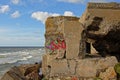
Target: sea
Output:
[(15, 56)]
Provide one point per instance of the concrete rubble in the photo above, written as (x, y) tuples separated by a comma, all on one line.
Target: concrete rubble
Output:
[(23, 72)]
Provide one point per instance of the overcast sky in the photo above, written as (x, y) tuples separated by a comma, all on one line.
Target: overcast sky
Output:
[(22, 21)]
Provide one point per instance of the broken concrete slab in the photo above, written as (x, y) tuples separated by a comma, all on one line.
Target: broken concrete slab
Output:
[(59, 67), (47, 59), (93, 66), (108, 74), (72, 66), (72, 33)]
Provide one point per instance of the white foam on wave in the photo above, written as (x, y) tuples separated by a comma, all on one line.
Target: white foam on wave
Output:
[(26, 58), (21, 56), (5, 61), (4, 54), (13, 61), (14, 57), (29, 57), (24, 53)]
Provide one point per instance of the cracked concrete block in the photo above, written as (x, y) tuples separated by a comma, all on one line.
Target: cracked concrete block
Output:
[(72, 66), (54, 29), (53, 25), (106, 62), (44, 64), (59, 67), (47, 59), (72, 33), (92, 67), (108, 74), (86, 68)]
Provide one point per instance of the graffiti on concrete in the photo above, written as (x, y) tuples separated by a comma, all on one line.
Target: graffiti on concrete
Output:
[(57, 46)]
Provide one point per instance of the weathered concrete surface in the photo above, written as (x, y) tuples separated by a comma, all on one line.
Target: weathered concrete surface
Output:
[(72, 33), (97, 27), (82, 68), (54, 30), (93, 66), (53, 24), (102, 27), (59, 67), (61, 27), (104, 63), (108, 74), (72, 66), (47, 59), (106, 13), (86, 68)]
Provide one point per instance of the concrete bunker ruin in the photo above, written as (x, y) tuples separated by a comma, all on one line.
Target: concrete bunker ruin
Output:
[(70, 39)]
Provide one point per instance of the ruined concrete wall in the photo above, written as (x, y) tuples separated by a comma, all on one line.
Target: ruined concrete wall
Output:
[(101, 23), (63, 36), (111, 5), (92, 11), (67, 39), (55, 32), (54, 66), (72, 32), (89, 68)]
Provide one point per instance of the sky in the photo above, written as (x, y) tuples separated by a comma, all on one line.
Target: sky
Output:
[(22, 21)]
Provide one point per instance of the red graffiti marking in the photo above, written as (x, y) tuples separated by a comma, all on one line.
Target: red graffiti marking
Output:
[(58, 45)]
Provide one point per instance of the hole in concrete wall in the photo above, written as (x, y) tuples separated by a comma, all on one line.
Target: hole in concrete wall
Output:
[(94, 26), (49, 66), (88, 47), (98, 18)]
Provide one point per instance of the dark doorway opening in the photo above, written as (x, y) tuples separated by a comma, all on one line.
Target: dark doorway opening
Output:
[(88, 48)]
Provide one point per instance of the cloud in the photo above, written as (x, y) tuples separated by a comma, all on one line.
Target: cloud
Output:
[(42, 16), (16, 14), (72, 1), (68, 13), (15, 1), (4, 8)]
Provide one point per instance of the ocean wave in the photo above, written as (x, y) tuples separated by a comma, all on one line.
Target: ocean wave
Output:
[(21, 56), (26, 58), (10, 60), (10, 57), (4, 54)]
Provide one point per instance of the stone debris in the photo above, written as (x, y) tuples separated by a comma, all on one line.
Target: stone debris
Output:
[(108, 74), (13, 74), (23, 72)]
